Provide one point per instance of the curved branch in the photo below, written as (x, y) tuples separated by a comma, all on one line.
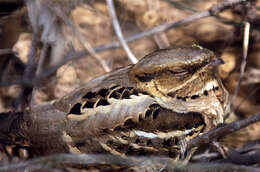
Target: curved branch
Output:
[(119, 33), (222, 131)]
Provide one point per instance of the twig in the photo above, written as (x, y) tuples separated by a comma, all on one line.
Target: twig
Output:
[(246, 98), (28, 72), (62, 160), (164, 27), (5, 51), (247, 158), (182, 6), (32, 54), (39, 70), (119, 33), (214, 10), (217, 8), (58, 11), (222, 131), (206, 154), (16, 81), (11, 2), (42, 58), (79, 54), (243, 64), (220, 149), (160, 38), (73, 160), (250, 146), (252, 76)]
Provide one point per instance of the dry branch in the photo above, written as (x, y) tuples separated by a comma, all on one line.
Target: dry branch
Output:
[(214, 10), (5, 51), (222, 131), (142, 163), (243, 64), (74, 55), (60, 13), (119, 33)]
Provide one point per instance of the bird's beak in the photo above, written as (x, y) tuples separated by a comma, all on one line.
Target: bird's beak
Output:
[(217, 61)]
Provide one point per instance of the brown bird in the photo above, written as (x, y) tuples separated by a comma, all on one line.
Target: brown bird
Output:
[(141, 109)]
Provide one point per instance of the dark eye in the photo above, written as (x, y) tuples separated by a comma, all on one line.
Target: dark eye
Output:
[(145, 77), (178, 72)]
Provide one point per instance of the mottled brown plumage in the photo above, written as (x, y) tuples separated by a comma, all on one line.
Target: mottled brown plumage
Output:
[(141, 109), (147, 107)]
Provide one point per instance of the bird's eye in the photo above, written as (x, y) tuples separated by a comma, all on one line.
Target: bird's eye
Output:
[(145, 77), (178, 72)]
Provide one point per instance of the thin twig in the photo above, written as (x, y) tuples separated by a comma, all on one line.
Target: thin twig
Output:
[(62, 161), (58, 11), (246, 158), (42, 58), (206, 154), (161, 40), (243, 65), (180, 5), (246, 98), (28, 72), (39, 70), (161, 37), (81, 159), (79, 54), (5, 51), (217, 8), (214, 10), (222, 131), (16, 81), (32, 55), (220, 149), (119, 33)]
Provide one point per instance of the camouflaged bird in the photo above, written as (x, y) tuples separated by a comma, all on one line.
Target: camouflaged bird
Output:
[(141, 109)]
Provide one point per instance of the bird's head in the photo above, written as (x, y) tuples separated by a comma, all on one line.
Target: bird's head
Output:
[(184, 80)]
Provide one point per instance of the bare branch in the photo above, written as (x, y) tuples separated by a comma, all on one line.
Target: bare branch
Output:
[(58, 11), (222, 131), (146, 163), (243, 64), (160, 28), (5, 51), (246, 98), (161, 40), (161, 37), (42, 58), (79, 54), (32, 54), (29, 70), (62, 160), (119, 33), (164, 27), (214, 10)]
